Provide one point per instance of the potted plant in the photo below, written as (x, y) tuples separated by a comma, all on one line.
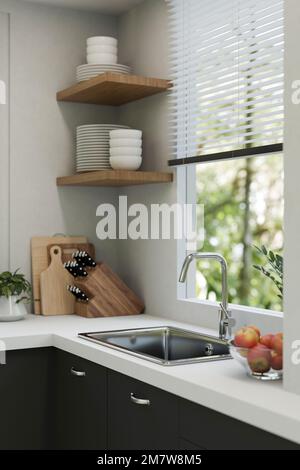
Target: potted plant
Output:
[(14, 290), (273, 268)]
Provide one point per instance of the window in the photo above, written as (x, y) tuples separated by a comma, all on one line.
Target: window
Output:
[(243, 208), (227, 121)]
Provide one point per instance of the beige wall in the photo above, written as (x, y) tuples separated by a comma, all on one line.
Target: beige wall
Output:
[(46, 44)]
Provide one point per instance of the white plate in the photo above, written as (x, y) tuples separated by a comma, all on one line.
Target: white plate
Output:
[(99, 130), (83, 79), (94, 161), (88, 67), (83, 126), (95, 148), (95, 132), (94, 143), (93, 168), (92, 158), (102, 70), (96, 71), (92, 134), (85, 170), (93, 165), (97, 158)]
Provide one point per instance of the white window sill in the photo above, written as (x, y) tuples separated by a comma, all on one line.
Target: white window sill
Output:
[(207, 304)]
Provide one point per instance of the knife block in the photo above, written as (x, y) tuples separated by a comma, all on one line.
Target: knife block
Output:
[(108, 295)]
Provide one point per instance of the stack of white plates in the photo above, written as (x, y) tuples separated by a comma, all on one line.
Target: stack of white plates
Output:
[(102, 50), (92, 146), (125, 149), (87, 71)]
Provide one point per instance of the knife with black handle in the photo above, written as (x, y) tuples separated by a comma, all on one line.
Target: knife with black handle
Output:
[(78, 293), (75, 269), (84, 259)]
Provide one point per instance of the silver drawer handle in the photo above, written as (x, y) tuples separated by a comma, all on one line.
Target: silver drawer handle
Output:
[(78, 373), (139, 401)]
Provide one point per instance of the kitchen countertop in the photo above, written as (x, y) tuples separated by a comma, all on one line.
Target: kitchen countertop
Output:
[(222, 385)]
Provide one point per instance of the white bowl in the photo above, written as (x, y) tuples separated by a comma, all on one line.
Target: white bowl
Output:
[(122, 151), (125, 134), (125, 143), (101, 50), (125, 163), (102, 41), (102, 58)]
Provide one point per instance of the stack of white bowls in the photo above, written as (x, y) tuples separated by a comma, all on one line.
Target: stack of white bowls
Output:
[(92, 147), (102, 50), (125, 149), (102, 56)]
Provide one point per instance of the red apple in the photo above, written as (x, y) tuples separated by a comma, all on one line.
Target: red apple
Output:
[(266, 340), (276, 361), (259, 359), (246, 338), (255, 329), (277, 343)]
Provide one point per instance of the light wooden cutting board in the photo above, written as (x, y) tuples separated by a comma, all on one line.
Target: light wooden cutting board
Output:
[(39, 259), (55, 299)]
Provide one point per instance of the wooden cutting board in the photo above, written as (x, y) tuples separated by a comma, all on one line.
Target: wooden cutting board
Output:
[(40, 262), (55, 299), (69, 248)]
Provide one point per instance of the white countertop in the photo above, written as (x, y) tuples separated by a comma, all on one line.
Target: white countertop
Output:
[(222, 386)]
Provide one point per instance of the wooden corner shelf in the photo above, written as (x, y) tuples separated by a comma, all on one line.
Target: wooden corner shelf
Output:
[(113, 89), (115, 178)]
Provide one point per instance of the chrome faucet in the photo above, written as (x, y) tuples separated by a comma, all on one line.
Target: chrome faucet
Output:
[(225, 320)]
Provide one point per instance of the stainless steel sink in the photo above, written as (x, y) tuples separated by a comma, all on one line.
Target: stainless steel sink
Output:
[(164, 345)]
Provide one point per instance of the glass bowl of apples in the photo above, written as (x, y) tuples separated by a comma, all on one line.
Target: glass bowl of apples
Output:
[(261, 356)]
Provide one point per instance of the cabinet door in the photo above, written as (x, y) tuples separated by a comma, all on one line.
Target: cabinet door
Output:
[(80, 403), (214, 431), (140, 416), (24, 393)]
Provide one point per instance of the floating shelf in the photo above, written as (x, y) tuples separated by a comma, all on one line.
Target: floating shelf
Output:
[(113, 89), (114, 178)]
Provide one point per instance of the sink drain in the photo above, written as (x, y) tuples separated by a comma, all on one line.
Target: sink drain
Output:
[(209, 349)]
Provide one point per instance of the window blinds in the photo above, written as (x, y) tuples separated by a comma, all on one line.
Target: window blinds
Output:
[(227, 67)]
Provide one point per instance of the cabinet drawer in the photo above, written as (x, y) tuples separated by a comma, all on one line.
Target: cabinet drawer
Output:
[(24, 393), (140, 416), (215, 431), (80, 403)]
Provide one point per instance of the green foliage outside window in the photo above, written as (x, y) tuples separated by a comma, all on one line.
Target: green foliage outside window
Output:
[(243, 207)]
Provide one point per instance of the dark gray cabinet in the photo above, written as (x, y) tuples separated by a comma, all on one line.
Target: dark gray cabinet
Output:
[(140, 416), (203, 428), (80, 403), (51, 399), (24, 397)]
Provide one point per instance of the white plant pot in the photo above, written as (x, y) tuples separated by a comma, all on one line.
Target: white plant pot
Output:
[(10, 310)]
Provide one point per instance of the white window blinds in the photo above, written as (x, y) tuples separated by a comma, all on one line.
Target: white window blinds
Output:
[(227, 66)]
